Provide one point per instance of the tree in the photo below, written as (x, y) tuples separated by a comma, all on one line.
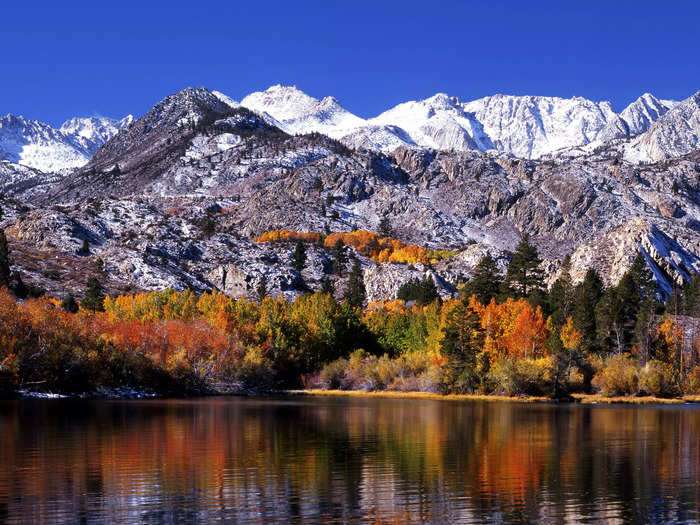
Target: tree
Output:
[(385, 228), (327, 287), (586, 297), (299, 256), (261, 289), (339, 257), (356, 292), (486, 281), (207, 225), (85, 248), (524, 275), (94, 296), (4, 260), (69, 304), (561, 294), (462, 340), (422, 291)]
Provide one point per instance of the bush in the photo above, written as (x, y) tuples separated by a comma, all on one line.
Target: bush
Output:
[(692, 385), (333, 373), (618, 377), (523, 376), (659, 379)]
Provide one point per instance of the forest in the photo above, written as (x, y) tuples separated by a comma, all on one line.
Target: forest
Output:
[(500, 334)]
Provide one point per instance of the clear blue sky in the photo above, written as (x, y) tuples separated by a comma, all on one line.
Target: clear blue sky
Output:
[(73, 58)]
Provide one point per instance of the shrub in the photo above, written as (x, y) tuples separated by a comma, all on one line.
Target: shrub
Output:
[(618, 377), (659, 379), (532, 376), (333, 373), (692, 384)]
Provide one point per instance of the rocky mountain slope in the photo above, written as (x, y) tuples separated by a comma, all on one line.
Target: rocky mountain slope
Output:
[(176, 198), (37, 145)]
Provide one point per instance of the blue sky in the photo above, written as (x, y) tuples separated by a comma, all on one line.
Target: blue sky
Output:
[(72, 58)]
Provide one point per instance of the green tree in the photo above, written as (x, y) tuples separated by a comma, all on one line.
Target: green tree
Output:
[(327, 286), (586, 297), (356, 292), (299, 256), (486, 281), (94, 296), (261, 289), (385, 228), (69, 304), (524, 276), (4, 260), (461, 343), (339, 257), (422, 291), (85, 248), (561, 294)]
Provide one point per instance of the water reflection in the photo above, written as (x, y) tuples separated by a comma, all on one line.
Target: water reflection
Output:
[(338, 461)]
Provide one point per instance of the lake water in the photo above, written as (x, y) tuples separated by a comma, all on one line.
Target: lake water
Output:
[(340, 460)]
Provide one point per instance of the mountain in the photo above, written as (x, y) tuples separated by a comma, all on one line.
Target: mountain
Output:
[(38, 145), (675, 133), (299, 113), (523, 126)]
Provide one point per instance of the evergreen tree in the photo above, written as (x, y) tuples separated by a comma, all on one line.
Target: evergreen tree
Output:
[(207, 225), (299, 256), (586, 297), (261, 289), (461, 343), (524, 275), (385, 228), (356, 292), (339, 256), (486, 281), (4, 260), (85, 248), (327, 287), (94, 296), (561, 294), (69, 304), (422, 291)]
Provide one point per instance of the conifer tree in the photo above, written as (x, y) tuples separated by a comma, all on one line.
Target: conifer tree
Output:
[(356, 292), (524, 275), (4, 260), (327, 287), (586, 297), (69, 304), (339, 257), (561, 294), (94, 296), (486, 281), (461, 343), (385, 228), (261, 289), (299, 256)]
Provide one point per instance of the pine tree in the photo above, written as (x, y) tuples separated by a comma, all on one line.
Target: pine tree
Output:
[(69, 304), (339, 257), (422, 291), (486, 281), (94, 296), (85, 248), (4, 260), (356, 292), (561, 294), (261, 289), (327, 287), (586, 297), (461, 343), (524, 275), (299, 256), (385, 228)]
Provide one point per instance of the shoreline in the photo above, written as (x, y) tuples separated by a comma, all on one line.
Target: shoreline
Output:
[(584, 399)]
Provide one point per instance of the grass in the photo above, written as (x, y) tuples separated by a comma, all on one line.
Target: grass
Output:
[(578, 398)]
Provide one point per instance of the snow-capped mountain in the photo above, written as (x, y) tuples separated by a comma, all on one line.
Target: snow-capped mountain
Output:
[(38, 145), (523, 126), (299, 113), (675, 133)]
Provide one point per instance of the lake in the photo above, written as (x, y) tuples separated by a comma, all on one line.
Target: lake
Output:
[(342, 460)]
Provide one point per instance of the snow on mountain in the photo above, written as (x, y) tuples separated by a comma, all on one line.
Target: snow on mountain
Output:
[(675, 133), (298, 113), (226, 99), (438, 122), (40, 146)]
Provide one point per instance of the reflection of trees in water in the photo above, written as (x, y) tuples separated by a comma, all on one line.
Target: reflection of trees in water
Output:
[(157, 461)]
